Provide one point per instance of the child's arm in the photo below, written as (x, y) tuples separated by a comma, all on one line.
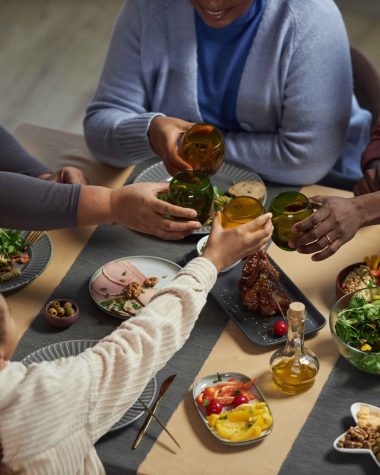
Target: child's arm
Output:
[(121, 365)]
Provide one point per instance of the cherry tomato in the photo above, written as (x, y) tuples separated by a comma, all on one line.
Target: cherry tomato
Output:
[(213, 407), (280, 328), (239, 399)]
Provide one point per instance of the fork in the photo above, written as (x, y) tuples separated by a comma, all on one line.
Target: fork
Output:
[(33, 236)]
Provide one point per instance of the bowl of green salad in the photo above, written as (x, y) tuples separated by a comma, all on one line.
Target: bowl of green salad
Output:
[(355, 326)]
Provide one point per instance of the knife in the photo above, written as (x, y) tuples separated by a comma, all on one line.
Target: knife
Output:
[(159, 422), (164, 387)]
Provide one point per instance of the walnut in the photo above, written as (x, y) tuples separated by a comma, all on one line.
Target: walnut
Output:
[(132, 290), (150, 281)]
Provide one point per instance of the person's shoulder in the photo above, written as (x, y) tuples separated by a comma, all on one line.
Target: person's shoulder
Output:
[(312, 10)]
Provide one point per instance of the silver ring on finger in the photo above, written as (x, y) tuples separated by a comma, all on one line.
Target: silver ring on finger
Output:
[(329, 239)]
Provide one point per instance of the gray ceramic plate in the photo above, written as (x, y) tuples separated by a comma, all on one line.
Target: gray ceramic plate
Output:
[(40, 254), (150, 266), (227, 175), (257, 328), (64, 349), (201, 385)]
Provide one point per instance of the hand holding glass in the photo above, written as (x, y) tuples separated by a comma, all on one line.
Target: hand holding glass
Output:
[(241, 210), (192, 189), (202, 147), (288, 208)]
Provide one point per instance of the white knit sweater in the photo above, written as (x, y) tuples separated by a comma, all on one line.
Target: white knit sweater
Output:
[(52, 413)]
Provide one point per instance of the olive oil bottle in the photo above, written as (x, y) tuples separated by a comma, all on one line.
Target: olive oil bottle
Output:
[(294, 367)]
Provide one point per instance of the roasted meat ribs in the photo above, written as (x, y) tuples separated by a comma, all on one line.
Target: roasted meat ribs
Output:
[(259, 286)]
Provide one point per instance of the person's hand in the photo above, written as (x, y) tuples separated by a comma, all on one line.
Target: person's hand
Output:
[(335, 222), (163, 135), (369, 183), (69, 175), (137, 207), (226, 246)]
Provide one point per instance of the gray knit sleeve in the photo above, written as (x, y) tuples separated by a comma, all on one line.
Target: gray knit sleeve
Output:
[(31, 203), (14, 158)]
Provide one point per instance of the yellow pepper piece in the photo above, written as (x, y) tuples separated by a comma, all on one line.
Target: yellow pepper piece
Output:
[(367, 260), (212, 419), (228, 429), (237, 416), (375, 261), (251, 433), (366, 347), (267, 421)]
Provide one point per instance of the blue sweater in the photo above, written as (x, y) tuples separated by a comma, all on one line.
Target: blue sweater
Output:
[(222, 53), (294, 103)]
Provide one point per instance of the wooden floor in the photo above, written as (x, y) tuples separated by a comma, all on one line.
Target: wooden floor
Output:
[(51, 54), (52, 51)]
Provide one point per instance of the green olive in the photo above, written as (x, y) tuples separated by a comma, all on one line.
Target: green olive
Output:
[(55, 304), (375, 449), (378, 456), (70, 311), (52, 311), (377, 441), (67, 305), (61, 311)]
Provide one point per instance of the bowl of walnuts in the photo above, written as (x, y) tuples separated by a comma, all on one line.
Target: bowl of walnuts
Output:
[(61, 313)]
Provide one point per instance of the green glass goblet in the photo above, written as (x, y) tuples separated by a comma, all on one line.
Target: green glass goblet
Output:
[(288, 208), (202, 147), (192, 189)]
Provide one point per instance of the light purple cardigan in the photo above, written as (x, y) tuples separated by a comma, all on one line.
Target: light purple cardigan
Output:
[(294, 104)]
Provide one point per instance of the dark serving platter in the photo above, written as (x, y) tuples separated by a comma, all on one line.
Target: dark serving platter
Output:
[(257, 328)]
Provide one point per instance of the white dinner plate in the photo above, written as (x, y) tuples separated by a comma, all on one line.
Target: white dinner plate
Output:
[(354, 412), (215, 379), (65, 349), (150, 266)]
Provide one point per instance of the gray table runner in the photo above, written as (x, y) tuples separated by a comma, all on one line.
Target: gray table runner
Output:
[(329, 418)]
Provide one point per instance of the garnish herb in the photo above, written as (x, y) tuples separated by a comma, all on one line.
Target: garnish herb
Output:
[(218, 378)]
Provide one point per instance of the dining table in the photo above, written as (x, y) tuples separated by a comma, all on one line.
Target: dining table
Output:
[(304, 426)]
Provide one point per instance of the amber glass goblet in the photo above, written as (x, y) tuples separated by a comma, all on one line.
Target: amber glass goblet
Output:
[(241, 210), (192, 189), (288, 208), (202, 147)]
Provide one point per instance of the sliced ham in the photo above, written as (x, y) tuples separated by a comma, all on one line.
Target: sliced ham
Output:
[(103, 286), (97, 296), (123, 273), (132, 307), (146, 296)]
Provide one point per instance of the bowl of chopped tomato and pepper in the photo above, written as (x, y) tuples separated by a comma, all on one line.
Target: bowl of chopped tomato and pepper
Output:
[(233, 408), (355, 326)]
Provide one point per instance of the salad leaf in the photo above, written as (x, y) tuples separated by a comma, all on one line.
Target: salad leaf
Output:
[(11, 243), (359, 324)]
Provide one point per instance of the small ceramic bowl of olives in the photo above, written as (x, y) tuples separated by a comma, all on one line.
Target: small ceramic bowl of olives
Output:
[(61, 312)]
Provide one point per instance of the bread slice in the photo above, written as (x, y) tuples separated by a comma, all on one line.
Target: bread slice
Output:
[(254, 188)]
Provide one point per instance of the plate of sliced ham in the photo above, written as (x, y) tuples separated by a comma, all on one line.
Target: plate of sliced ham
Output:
[(123, 287)]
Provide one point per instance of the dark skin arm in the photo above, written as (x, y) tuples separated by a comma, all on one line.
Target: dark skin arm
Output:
[(335, 222), (371, 179)]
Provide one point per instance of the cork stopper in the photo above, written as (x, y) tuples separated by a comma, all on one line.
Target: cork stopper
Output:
[(296, 309)]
